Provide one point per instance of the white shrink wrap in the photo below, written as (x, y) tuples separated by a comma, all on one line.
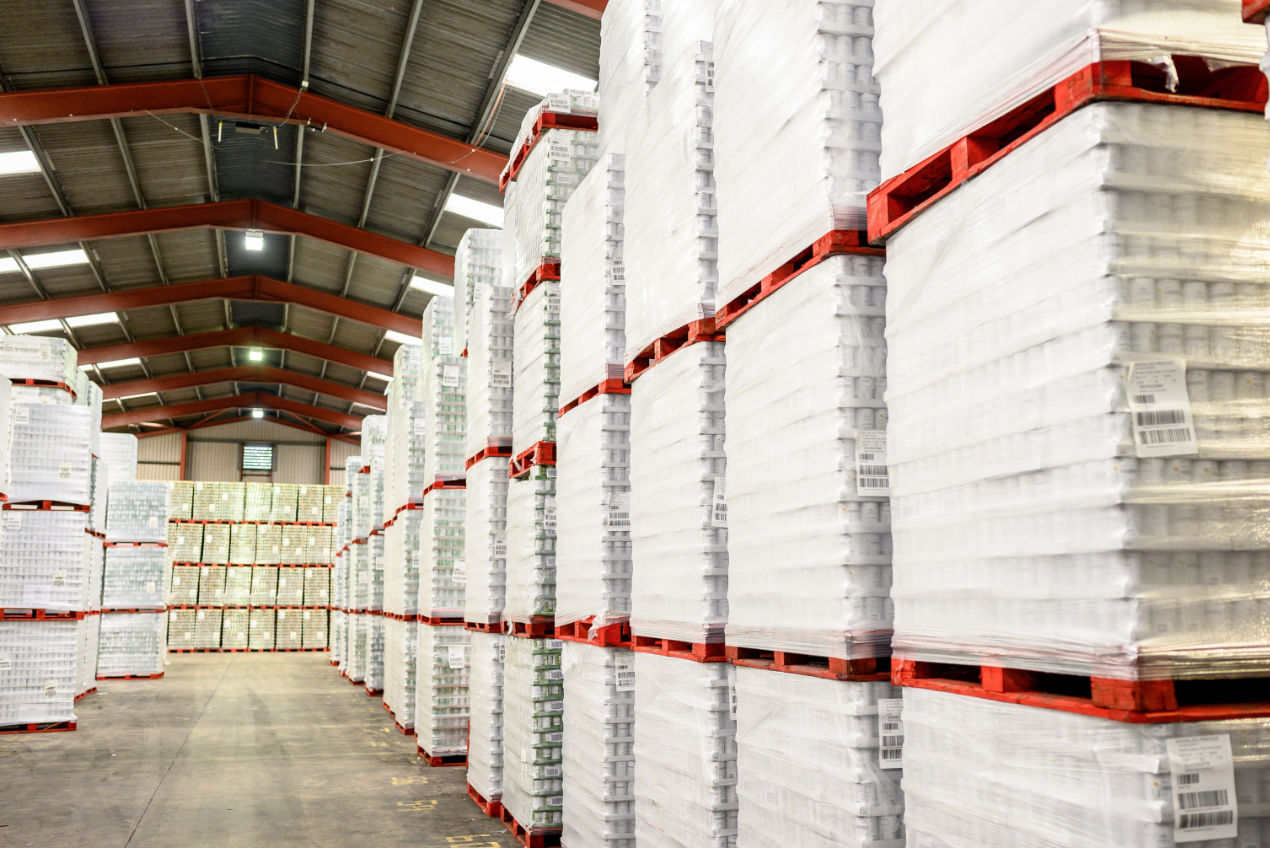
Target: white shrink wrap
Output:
[(216, 543), (44, 559), (796, 160), (288, 630), (809, 542), (260, 629), (536, 368), (242, 544), (290, 585), (442, 571), (134, 578), (401, 642), (679, 527), (135, 644), (89, 629), (6, 423), (137, 511), (95, 553), (264, 585), (533, 733), (485, 541), (119, 451), (355, 666), (442, 699), (809, 763), (489, 370), (315, 631), (317, 586), (485, 734), (217, 501), (257, 501), (593, 281), (99, 488), (1079, 465), (593, 515), (90, 397), (51, 457), (38, 677), (685, 22), (184, 585), (268, 542), (444, 394), (405, 443), (990, 56), (402, 560), (531, 545), (685, 753), (339, 631), (373, 657), (477, 265), (181, 499), (283, 503), (598, 752), (630, 65), (237, 585), (45, 358)]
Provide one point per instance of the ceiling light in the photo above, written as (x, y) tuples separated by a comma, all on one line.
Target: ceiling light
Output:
[(8, 265), (119, 363), (131, 397), (477, 210), (254, 240), (401, 338), (256, 355), (379, 376), (56, 259), (432, 286), (46, 326), (150, 424), (257, 413), (93, 320), (542, 79), (18, 162)]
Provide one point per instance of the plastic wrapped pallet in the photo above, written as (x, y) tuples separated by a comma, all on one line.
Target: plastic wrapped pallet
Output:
[(679, 530), (318, 545), (671, 232), (235, 629), (218, 501), (242, 544), (184, 585), (181, 500), (289, 630), (331, 500), (477, 265), (294, 544), (134, 578), (207, 628), (132, 644), (216, 543), (44, 558), (806, 373), (485, 541), (400, 645), (89, 639), (593, 282), (268, 544), (489, 370), (536, 368), (442, 571), (37, 679), (531, 545), (99, 488), (260, 634), (338, 622), (283, 503), (598, 752), (257, 501), (95, 553), (444, 383), (291, 586), (137, 511), (593, 498), (533, 732), (355, 665), (485, 735), (314, 624), (50, 458), (630, 65), (180, 635), (238, 585), (796, 160), (42, 358), (317, 587), (264, 585), (310, 503), (401, 563), (89, 396), (810, 767), (185, 542), (993, 55), (685, 753), (442, 700), (404, 445), (119, 451), (1080, 486), (211, 585)]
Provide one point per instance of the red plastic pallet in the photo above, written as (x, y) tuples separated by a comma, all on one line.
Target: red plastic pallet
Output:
[(547, 270), (495, 626), (441, 620), (38, 727), (490, 807), (538, 627), (1133, 701), (701, 330), (608, 387), (129, 676), (530, 837), (135, 544), (46, 506), (616, 635), (44, 384), (809, 665), (1255, 11), (540, 453), (695, 651), (545, 121), (82, 695), (833, 243), (442, 760), (446, 485), (373, 693), (904, 196), (135, 609), (24, 614), (335, 662), (486, 453)]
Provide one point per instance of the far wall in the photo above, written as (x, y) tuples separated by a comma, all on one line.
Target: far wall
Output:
[(214, 453)]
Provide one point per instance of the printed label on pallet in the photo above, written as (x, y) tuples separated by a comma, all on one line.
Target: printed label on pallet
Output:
[(719, 505), (1161, 409), (1203, 775), (449, 374), (872, 477), (624, 673), (619, 509), (457, 657), (890, 733), (500, 375)]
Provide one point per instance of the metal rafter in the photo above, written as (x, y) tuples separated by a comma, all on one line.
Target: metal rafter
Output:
[(250, 400), (249, 374)]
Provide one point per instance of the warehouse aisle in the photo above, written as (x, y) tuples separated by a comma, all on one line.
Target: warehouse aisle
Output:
[(235, 751)]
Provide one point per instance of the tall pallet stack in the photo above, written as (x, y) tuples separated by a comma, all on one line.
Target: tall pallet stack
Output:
[(134, 619), (341, 602), (368, 509), (1076, 387)]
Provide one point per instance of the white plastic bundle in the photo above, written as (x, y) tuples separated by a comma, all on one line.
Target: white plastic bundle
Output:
[(242, 544), (99, 486), (260, 629), (282, 505), (310, 503), (485, 540), (89, 634), (317, 587), (373, 657), (679, 586), (630, 65), (332, 500), (257, 501), (268, 544), (50, 458), (288, 630), (339, 628), (441, 689), (235, 628), (444, 382), (137, 511), (314, 623), (211, 585), (992, 55), (404, 445), (215, 501), (442, 573), (95, 553), (1079, 465), (375, 570), (489, 370), (184, 584), (567, 102), (809, 767), (291, 586), (598, 752), (37, 677), (593, 281), (531, 545), (293, 543), (44, 560), (119, 451), (318, 543), (536, 368), (238, 585), (181, 499), (809, 543), (400, 644), (477, 265), (401, 563), (672, 234), (216, 543), (685, 753), (264, 585), (798, 159), (134, 578), (593, 499), (359, 576), (40, 358), (485, 735), (533, 732), (89, 395), (134, 643), (993, 775)]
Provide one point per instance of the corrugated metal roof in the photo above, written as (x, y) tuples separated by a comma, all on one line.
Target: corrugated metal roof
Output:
[(251, 37)]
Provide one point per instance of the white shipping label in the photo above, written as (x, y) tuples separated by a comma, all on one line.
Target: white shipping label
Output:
[(500, 375), (872, 477), (459, 572), (1203, 775), (890, 733), (59, 579), (445, 345), (64, 471), (150, 587), (449, 374), (624, 672), (549, 514), (719, 505), (619, 509), (457, 657), (50, 688), (1161, 409)]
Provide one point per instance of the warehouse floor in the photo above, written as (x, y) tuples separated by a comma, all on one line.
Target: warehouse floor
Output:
[(233, 751)]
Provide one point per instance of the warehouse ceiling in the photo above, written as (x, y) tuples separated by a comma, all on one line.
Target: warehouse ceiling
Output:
[(360, 116)]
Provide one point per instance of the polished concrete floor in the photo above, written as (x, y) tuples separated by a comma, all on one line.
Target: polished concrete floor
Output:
[(233, 751)]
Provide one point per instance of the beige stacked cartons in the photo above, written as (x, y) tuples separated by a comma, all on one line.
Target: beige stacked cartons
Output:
[(310, 504), (257, 501), (135, 580), (242, 543), (181, 500), (284, 504), (218, 501)]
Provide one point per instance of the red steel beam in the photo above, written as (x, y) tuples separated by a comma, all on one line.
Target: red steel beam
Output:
[(248, 287), (222, 215), (251, 400), (237, 337), (246, 374), (163, 431), (591, 8), (254, 98)]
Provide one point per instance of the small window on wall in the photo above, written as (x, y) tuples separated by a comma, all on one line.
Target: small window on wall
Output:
[(257, 457)]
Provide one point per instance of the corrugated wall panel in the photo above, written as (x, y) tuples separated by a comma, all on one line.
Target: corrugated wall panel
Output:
[(340, 452), (298, 463), (256, 431), (159, 457), (213, 461)]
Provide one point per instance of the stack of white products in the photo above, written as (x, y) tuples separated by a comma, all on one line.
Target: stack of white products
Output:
[(531, 545), (257, 501), (685, 753), (679, 540), (260, 634), (51, 457), (44, 560), (489, 370), (43, 358), (38, 677), (405, 444), (137, 511), (811, 769), (536, 368), (485, 541), (119, 451), (315, 628), (805, 416), (442, 571), (533, 732), (630, 65), (133, 643), (444, 394), (477, 264), (598, 751), (355, 661), (402, 563), (442, 699), (215, 501), (282, 506), (400, 644), (89, 635), (135, 577), (485, 735), (1080, 487), (373, 659), (983, 774)]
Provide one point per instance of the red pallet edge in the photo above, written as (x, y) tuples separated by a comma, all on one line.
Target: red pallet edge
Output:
[(808, 665), (130, 676), (441, 620), (38, 727), (490, 807), (1254, 11), (615, 635), (545, 121), (540, 453), (484, 626), (695, 651), (486, 453), (606, 387), (540, 837), (83, 695), (695, 332), (29, 614), (538, 627), (442, 761), (373, 693), (547, 271), (445, 486), (903, 197), (1129, 701), (44, 384), (45, 506)]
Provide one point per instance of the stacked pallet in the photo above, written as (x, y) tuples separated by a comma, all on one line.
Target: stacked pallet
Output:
[(368, 510)]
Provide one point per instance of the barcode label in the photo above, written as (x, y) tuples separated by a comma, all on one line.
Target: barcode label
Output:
[(1203, 779), (1218, 818), (1166, 437), (1144, 400), (619, 509), (1187, 779), (1161, 418), (890, 733), (871, 474), (1161, 409), (719, 505), (624, 669), (1196, 800)]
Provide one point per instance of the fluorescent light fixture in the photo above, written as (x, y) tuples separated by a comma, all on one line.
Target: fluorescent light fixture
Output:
[(257, 413), (150, 424), (400, 338), (56, 259), (367, 406), (130, 397), (254, 240), (477, 210), (541, 79), (46, 326), (379, 376), (119, 363), (432, 286), (18, 162), (256, 355), (93, 320), (86, 368), (8, 265)]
